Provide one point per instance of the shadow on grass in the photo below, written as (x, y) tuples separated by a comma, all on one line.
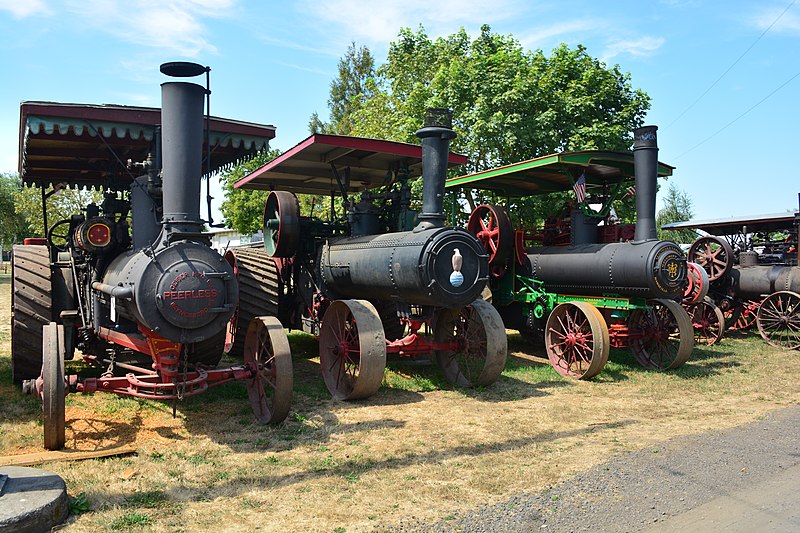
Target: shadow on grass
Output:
[(351, 468)]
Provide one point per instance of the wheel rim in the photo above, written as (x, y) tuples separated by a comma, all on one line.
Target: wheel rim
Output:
[(267, 354), (53, 392), (577, 340), (492, 227), (481, 336), (715, 255), (281, 224), (708, 323), (778, 320), (663, 336), (352, 349), (697, 289)]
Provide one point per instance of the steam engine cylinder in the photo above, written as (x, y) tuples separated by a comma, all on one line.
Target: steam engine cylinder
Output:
[(650, 269), (756, 281), (439, 266)]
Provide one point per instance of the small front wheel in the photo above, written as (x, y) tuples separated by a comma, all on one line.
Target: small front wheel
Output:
[(480, 347), (267, 354), (577, 341), (53, 386)]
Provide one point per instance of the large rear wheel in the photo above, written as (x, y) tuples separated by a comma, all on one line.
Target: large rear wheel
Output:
[(31, 308), (259, 290)]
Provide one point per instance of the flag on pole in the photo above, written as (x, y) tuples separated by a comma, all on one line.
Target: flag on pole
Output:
[(631, 191), (580, 188)]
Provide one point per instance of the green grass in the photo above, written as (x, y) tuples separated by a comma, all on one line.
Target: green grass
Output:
[(131, 521)]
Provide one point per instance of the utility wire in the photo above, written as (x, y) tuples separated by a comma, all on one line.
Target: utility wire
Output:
[(732, 65), (784, 84)]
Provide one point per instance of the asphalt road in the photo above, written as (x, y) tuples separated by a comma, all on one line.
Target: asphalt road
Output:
[(745, 479)]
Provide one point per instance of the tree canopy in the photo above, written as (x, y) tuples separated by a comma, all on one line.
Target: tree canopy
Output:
[(677, 208), (509, 104)]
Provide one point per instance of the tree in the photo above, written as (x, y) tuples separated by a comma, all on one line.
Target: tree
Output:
[(509, 104), (13, 227), (677, 208), (61, 205), (243, 209), (348, 92)]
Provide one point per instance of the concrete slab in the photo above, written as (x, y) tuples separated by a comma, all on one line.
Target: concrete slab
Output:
[(32, 500)]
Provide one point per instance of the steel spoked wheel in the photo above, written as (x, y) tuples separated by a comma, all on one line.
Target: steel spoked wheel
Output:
[(267, 354), (492, 227), (480, 336), (708, 322), (281, 224), (53, 388), (352, 349), (577, 341), (697, 288), (663, 335), (742, 316), (715, 255), (778, 320)]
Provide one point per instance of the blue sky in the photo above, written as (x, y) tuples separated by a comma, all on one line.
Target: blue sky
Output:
[(272, 63)]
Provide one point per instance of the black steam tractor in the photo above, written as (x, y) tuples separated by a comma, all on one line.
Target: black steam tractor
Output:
[(134, 279), (583, 282), (370, 277), (754, 274)]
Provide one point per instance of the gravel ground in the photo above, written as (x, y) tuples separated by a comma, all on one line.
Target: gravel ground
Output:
[(653, 488)]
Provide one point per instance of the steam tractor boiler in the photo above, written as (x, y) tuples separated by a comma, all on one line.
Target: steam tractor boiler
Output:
[(605, 285), (162, 293), (754, 275), (369, 280)]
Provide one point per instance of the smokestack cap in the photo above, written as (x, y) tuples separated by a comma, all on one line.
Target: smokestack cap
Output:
[(438, 117), (183, 69), (645, 137)]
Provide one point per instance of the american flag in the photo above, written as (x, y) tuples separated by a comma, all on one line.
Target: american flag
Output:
[(580, 188)]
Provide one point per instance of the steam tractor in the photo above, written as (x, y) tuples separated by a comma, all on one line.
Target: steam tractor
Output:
[(134, 277), (582, 285), (754, 275), (366, 277)]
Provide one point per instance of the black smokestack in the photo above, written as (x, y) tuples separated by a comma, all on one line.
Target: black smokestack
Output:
[(182, 153), (645, 166), (435, 135)]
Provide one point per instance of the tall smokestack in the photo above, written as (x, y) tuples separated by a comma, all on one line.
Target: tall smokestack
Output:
[(435, 135), (182, 153), (645, 166)]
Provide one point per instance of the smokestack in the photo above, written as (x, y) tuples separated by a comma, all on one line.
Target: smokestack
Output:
[(182, 153), (435, 135), (645, 165)]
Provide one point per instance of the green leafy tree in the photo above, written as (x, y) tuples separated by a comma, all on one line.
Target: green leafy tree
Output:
[(349, 91), (61, 205), (509, 104), (243, 209), (13, 227), (677, 208)]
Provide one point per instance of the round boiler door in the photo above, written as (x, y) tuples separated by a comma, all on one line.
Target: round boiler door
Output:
[(187, 298)]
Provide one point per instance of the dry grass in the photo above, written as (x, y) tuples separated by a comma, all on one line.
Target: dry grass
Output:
[(415, 449)]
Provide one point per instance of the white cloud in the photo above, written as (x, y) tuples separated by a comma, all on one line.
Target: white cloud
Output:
[(643, 46), (21, 9), (789, 22), (170, 25), (556, 33), (378, 23)]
